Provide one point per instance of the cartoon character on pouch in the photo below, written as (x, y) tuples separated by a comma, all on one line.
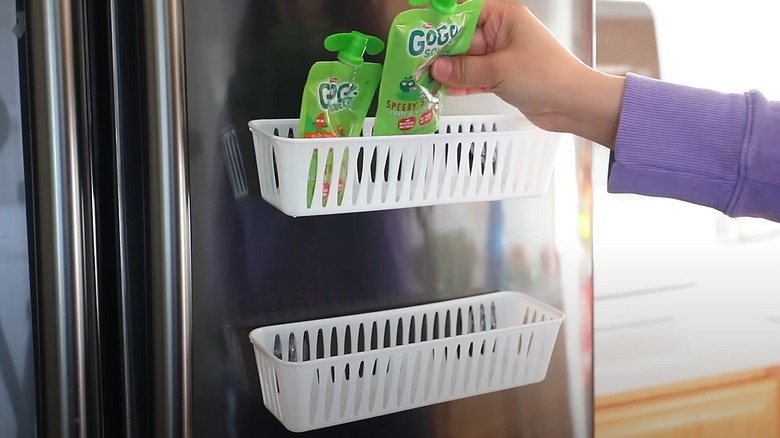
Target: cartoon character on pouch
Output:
[(409, 89), (320, 123)]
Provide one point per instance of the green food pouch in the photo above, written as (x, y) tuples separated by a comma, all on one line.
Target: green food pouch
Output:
[(336, 98), (409, 97), (338, 94)]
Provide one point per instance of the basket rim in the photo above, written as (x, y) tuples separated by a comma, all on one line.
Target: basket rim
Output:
[(524, 128), (398, 348), (254, 335)]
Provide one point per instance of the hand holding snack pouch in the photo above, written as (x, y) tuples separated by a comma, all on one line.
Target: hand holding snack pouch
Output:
[(409, 97)]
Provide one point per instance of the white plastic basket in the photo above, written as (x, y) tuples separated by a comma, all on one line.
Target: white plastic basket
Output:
[(321, 373), (474, 158)]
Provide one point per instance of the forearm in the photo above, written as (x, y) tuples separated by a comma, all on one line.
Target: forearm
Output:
[(590, 107), (714, 149)]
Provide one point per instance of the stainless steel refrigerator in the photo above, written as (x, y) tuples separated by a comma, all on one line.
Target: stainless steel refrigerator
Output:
[(152, 254)]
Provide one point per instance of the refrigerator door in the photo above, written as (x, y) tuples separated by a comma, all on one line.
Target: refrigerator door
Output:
[(224, 262)]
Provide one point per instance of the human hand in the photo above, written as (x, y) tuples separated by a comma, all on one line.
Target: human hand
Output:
[(516, 57)]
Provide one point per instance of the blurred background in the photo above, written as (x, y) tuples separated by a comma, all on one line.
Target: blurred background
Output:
[(686, 300)]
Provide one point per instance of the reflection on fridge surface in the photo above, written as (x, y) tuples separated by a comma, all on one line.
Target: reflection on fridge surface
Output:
[(201, 259)]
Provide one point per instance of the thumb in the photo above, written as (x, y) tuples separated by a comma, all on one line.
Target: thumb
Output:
[(465, 71)]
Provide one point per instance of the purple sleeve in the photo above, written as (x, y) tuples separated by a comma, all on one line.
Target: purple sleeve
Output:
[(709, 148)]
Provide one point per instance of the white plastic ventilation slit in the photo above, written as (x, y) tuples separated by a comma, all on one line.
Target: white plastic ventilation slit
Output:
[(275, 168), (471, 320), (370, 175), (385, 178), (494, 173), (412, 329), (459, 323), (399, 335), (528, 356), (372, 392), (348, 341), (361, 340), (417, 174), (320, 345), (374, 337), (424, 329), (387, 385), (429, 375), (436, 325), (524, 172), (359, 384), (344, 392), (387, 335), (447, 326), (334, 343), (278, 347), (493, 363), (505, 156), (402, 371), (314, 396), (292, 351), (442, 372), (416, 375), (456, 169), (505, 360), (455, 365), (444, 170), (469, 362), (305, 350), (480, 365), (329, 390)]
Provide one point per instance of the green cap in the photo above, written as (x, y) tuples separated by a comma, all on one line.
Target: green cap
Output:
[(440, 6), (351, 46)]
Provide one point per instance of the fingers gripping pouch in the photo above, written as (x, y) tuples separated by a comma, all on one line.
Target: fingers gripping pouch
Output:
[(409, 97), (336, 99)]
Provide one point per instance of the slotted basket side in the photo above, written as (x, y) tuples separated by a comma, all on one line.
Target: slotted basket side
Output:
[(404, 171), (374, 364)]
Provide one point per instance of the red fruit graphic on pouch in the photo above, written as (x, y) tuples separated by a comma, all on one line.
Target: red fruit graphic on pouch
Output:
[(319, 122), (406, 124), (426, 117)]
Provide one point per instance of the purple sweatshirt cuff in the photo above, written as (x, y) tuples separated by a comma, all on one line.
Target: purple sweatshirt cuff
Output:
[(679, 142)]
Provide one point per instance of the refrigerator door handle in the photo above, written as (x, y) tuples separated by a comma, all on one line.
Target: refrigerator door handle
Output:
[(63, 268), (170, 217)]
